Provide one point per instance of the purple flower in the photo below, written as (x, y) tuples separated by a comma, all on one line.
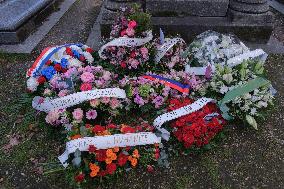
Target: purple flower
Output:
[(91, 114), (208, 72), (139, 100), (158, 101)]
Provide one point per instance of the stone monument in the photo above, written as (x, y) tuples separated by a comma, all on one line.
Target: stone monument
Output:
[(18, 18), (251, 20)]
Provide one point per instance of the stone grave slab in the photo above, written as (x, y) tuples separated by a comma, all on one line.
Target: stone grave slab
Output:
[(18, 18)]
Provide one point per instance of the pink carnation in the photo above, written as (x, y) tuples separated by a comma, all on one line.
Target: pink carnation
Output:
[(105, 100), (87, 77), (78, 114), (134, 63), (63, 93)]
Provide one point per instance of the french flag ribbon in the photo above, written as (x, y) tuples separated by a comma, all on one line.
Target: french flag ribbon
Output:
[(170, 83), (44, 57)]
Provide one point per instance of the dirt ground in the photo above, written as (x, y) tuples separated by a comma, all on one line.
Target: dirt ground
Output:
[(244, 159)]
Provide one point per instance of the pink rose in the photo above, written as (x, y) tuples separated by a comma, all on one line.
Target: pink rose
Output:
[(106, 75), (52, 117), (130, 32), (94, 103), (132, 24), (114, 103), (78, 114), (86, 87), (87, 77)]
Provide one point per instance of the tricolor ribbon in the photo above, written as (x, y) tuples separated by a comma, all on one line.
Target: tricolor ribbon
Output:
[(46, 54), (184, 88)]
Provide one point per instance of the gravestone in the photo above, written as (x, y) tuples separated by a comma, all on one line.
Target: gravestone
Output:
[(18, 18), (251, 20)]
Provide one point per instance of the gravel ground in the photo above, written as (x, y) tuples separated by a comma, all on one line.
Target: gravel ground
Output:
[(244, 159)]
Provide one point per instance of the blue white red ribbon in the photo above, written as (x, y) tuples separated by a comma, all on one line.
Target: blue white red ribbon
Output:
[(44, 57), (184, 88)]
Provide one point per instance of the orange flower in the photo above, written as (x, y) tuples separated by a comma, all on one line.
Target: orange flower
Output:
[(109, 152), (94, 169), (108, 160), (103, 133), (133, 162), (136, 153), (116, 149), (75, 137)]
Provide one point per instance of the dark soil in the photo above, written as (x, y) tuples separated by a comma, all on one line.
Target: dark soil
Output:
[(244, 159)]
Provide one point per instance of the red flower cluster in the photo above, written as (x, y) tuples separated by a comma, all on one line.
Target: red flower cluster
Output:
[(194, 129)]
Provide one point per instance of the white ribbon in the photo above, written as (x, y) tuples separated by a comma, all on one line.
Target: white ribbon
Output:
[(160, 120), (166, 46), (109, 141), (46, 104), (126, 42), (232, 62)]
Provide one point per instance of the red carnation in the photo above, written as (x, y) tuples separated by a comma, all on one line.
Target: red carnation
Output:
[(82, 58), (102, 173), (101, 155), (69, 51), (98, 128), (111, 168), (80, 177), (86, 87), (90, 50), (128, 130), (92, 148), (122, 159), (41, 80), (48, 62), (123, 64), (111, 126), (57, 67)]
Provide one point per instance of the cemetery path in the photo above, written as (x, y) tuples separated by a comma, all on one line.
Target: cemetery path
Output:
[(244, 159)]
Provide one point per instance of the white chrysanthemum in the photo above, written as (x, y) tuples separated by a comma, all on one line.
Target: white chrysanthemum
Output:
[(74, 62), (89, 57), (32, 84)]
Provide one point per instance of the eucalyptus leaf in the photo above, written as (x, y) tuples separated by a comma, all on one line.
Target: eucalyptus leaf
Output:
[(77, 161), (77, 153)]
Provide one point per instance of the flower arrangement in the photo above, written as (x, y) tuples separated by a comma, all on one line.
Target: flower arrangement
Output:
[(132, 23), (150, 89), (173, 58), (97, 164), (58, 61), (211, 48), (198, 128), (250, 105)]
